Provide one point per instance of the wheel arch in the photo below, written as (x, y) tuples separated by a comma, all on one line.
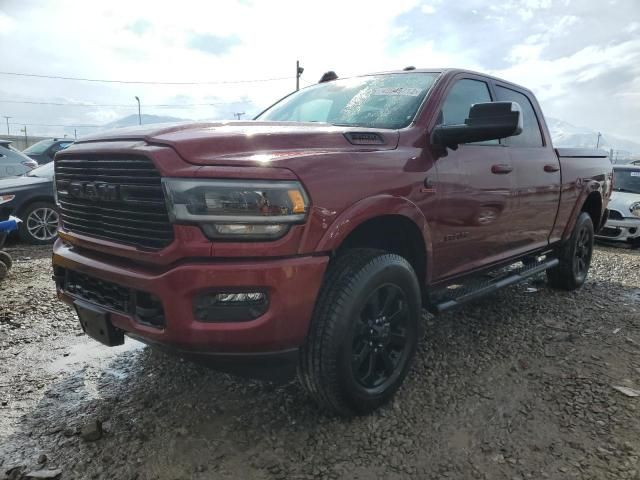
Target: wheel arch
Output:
[(593, 206), (591, 203), (359, 227), (35, 199)]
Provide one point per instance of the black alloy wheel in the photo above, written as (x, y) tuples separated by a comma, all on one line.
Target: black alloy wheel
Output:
[(380, 341)]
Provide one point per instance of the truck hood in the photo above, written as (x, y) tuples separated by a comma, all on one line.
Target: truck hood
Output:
[(253, 142), (621, 201)]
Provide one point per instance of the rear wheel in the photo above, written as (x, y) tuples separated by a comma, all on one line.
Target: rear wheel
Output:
[(364, 332), (4, 270), (39, 223), (575, 257), (6, 259)]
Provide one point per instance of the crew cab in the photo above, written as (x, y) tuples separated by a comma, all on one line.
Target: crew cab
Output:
[(313, 235)]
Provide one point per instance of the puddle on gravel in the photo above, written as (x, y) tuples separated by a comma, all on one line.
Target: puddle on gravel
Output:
[(92, 354), (633, 296)]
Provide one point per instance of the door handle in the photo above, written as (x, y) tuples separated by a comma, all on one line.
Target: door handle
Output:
[(550, 167), (501, 169)]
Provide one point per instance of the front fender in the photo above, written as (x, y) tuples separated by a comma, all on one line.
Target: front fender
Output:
[(367, 209)]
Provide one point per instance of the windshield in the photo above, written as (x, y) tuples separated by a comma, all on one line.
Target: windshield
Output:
[(626, 180), (38, 148), (45, 171), (377, 101)]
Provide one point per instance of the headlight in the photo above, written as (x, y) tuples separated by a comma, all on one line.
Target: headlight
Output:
[(635, 209), (235, 209), (6, 198)]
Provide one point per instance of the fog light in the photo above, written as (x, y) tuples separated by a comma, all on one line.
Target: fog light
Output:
[(230, 306)]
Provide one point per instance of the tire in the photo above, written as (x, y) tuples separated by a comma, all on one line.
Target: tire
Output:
[(6, 259), (363, 333), (575, 257), (39, 223), (3, 271)]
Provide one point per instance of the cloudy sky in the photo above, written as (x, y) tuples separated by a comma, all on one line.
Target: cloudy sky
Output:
[(581, 57)]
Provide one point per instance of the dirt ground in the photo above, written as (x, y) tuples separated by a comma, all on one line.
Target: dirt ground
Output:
[(519, 385)]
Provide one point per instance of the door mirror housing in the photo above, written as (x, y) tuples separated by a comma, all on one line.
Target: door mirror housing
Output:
[(486, 121)]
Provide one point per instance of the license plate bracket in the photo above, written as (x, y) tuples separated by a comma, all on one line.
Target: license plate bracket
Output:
[(95, 322)]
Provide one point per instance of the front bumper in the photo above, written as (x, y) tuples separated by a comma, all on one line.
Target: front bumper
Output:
[(292, 285), (626, 230)]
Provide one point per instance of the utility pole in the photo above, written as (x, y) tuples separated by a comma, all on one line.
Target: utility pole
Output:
[(75, 133), (139, 115), (238, 115), (299, 71), (598, 141), (26, 139), (7, 118)]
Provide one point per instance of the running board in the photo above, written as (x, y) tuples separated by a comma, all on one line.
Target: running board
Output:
[(451, 298)]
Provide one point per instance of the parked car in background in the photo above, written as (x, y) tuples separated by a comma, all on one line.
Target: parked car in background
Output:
[(30, 198), (12, 161), (623, 224), (44, 151)]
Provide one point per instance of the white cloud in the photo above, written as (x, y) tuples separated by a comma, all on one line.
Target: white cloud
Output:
[(149, 40), (7, 24)]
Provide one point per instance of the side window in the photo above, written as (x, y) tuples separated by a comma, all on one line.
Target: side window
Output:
[(464, 93), (530, 136), (460, 98)]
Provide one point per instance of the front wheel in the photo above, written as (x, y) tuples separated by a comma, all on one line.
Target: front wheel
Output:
[(575, 257), (39, 223), (364, 332)]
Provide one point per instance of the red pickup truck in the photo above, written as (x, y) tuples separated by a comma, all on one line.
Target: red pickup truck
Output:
[(313, 236)]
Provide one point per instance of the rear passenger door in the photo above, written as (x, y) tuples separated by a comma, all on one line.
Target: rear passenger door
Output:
[(473, 191), (536, 174)]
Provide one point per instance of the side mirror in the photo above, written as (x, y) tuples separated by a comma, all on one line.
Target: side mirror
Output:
[(487, 121)]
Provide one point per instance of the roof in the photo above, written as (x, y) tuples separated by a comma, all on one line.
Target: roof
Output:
[(451, 72)]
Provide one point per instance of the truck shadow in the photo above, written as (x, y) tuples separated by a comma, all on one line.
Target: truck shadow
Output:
[(167, 418)]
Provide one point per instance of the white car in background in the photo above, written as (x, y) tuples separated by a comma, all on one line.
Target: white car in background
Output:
[(623, 224), (13, 162)]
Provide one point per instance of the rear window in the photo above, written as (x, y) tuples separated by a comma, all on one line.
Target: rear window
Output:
[(38, 148)]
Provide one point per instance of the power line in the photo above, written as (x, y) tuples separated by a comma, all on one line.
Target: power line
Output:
[(90, 105), (142, 82), (54, 125)]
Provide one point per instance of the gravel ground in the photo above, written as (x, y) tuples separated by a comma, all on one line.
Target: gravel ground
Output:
[(518, 385)]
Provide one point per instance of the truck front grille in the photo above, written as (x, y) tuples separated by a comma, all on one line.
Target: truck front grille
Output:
[(113, 197)]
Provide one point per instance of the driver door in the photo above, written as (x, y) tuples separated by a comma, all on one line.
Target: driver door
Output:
[(474, 190)]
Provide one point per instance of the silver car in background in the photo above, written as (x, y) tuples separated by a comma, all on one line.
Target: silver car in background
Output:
[(13, 162), (623, 224)]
